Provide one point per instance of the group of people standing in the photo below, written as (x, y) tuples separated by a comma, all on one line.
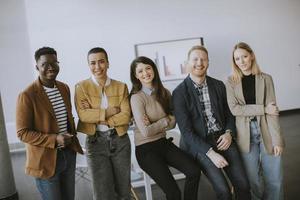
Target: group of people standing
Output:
[(229, 132)]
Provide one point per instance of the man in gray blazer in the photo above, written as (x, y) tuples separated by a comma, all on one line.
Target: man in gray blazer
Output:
[(208, 127)]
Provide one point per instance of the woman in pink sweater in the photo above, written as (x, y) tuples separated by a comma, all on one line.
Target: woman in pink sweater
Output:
[(152, 112)]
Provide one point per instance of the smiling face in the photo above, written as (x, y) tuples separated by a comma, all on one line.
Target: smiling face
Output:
[(48, 68), (198, 63), (145, 74), (243, 60), (98, 64)]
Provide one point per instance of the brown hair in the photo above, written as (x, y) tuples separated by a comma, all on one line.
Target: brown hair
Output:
[(161, 93), (197, 47)]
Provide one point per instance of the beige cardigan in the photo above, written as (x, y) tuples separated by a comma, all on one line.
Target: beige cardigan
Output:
[(269, 124), (141, 104)]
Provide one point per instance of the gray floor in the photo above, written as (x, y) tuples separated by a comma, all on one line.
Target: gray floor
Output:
[(290, 124)]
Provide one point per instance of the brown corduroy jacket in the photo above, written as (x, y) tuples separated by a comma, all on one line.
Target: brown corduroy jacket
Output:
[(37, 127)]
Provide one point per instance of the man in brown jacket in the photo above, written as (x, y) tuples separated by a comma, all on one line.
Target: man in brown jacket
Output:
[(45, 123)]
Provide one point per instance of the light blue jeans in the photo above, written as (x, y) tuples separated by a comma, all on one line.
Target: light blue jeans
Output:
[(264, 171), (61, 186)]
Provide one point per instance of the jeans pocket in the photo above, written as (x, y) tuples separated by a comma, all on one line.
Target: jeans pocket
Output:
[(122, 140)]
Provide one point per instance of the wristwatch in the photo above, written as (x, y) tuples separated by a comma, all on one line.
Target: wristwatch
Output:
[(231, 133)]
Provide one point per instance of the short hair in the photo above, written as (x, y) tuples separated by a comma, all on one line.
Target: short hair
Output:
[(197, 47), (97, 50), (43, 51), (237, 73)]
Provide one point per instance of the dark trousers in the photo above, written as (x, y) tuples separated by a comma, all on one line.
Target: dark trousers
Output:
[(156, 157), (235, 172)]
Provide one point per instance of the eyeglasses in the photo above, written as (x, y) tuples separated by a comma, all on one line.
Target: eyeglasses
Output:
[(47, 65)]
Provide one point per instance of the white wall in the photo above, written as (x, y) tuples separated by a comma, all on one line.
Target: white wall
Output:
[(72, 27), (15, 59)]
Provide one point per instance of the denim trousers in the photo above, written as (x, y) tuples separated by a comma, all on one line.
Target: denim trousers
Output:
[(264, 171), (156, 157), (235, 172), (61, 186), (109, 170)]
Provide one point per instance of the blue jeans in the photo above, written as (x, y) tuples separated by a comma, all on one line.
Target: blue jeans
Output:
[(264, 171), (235, 172), (61, 186), (109, 170)]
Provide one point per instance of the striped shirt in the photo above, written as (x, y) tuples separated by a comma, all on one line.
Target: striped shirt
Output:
[(59, 108)]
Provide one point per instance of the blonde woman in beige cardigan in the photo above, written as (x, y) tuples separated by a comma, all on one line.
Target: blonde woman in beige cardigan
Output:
[(251, 99)]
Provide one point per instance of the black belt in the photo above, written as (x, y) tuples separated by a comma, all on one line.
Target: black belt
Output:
[(254, 119)]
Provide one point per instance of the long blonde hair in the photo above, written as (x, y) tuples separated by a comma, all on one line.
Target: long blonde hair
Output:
[(237, 74)]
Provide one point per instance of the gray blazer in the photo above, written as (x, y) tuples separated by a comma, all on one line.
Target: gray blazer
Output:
[(269, 124)]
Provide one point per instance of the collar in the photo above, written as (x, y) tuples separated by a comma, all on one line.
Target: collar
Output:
[(108, 80), (46, 86), (201, 85), (49, 88), (147, 91)]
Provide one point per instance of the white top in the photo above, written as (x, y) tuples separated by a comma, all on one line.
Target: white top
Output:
[(103, 103)]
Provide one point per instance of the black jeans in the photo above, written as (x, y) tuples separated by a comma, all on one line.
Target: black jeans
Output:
[(155, 157), (235, 172)]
